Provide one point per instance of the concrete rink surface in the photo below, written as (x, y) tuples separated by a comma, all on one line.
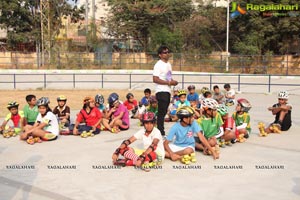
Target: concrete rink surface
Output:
[(73, 168)]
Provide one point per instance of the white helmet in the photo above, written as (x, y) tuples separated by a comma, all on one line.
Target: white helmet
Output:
[(210, 103), (283, 95)]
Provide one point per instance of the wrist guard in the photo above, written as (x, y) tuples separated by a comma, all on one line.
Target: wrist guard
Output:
[(117, 151), (126, 142), (142, 157)]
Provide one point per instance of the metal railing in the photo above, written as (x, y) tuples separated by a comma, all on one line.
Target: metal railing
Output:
[(120, 80)]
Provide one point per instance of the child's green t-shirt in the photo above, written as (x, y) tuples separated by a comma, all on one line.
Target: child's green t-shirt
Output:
[(210, 126), (30, 113), (154, 110), (242, 118)]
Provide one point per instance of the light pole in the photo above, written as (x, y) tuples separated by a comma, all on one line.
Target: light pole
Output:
[(227, 38)]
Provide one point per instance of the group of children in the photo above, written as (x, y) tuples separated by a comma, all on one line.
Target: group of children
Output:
[(38, 122), (206, 131), (202, 122)]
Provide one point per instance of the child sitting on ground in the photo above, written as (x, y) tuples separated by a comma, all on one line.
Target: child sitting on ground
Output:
[(131, 104), (175, 96), (46, 126), (218, 95), (62, 112), (153, 107), (16, 116), (211, 125), (242, 119), (192, 95), (180, 140), (30, 110), (193, 98), (282, 111), (90, 115), (145, 100), (117, 118), (201, 95), (229, 95), (153, 149), (228, 126), (181, 102), (99, 103)]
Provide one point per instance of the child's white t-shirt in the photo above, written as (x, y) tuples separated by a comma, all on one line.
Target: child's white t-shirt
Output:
[(51, 121), (230, 93), (147, 140)]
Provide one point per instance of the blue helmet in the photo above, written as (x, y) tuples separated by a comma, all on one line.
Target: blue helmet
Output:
[(112, 98)]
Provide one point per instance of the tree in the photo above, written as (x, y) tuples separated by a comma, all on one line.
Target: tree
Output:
[(140, 19), (21, 19), (205, 31)]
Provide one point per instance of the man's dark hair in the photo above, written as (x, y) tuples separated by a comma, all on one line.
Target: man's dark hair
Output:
[(162, 48), (30, 97)]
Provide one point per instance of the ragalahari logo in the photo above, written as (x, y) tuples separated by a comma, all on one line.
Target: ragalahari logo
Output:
[(236, 10)]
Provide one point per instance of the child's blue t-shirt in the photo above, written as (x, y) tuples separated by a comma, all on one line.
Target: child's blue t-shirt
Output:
[(178, 104), (193, 97), (184, 135), (101, 107), (144, 101)]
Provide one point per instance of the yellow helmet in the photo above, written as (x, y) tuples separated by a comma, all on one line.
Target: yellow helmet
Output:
[(185, 111), (181, 92), (61, 98), (12, 104)]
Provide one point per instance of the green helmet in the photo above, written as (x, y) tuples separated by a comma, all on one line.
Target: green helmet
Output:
[(223, 110)]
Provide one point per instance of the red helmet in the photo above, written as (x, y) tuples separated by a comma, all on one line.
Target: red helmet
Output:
[(148, 117), (245, 104)]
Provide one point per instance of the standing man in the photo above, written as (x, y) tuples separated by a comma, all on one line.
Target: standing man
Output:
[(162, 76)]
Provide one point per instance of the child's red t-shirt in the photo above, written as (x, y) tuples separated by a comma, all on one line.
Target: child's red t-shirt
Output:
[(130, 105), (90, 118)]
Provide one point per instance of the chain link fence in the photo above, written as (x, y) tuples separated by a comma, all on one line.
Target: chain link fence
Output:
[(214, 63)]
